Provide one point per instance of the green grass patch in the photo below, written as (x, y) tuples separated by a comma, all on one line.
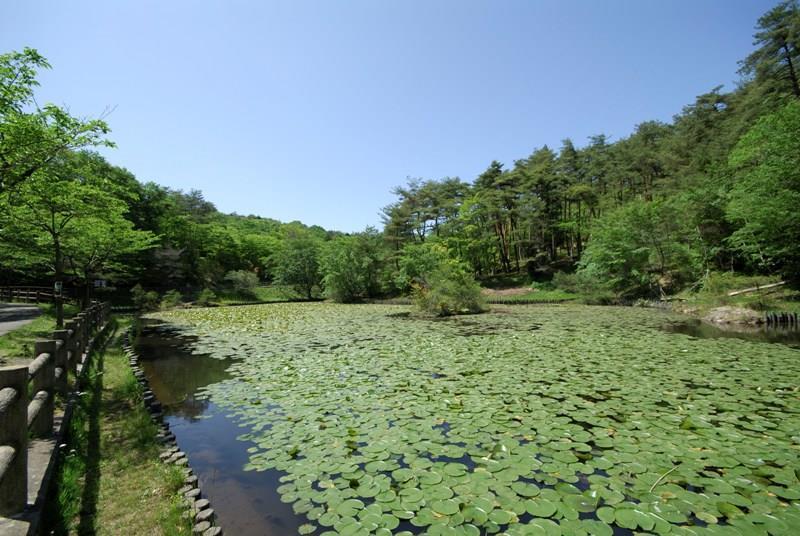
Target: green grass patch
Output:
[(110, 479), (535, 296)]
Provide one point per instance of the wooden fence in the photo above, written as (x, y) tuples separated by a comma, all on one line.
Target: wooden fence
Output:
[(777, 320), (32, 295), (27, 395)]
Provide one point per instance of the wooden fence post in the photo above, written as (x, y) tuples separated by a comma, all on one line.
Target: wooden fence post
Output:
[(42, 370), (72, 351), (78, 323), (84, 330), (63, 355), (13, 439)]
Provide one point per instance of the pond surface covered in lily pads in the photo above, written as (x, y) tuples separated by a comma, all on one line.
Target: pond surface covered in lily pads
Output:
[(525, 420)]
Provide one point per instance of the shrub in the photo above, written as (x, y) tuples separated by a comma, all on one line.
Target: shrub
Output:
[(206, 297), (449, 293), (242, 282), (171, 299), (441, 285), (144, 300)]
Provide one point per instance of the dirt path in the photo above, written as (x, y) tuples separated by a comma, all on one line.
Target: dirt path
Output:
[(15, 315), (515, 291)]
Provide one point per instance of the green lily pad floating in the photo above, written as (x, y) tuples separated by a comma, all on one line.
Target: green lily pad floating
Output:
[(540, 507), (501, 517), (606, 514), (349, 508), (581, 503), (373, 421), (524, 489), (446, 507), (411, 495)]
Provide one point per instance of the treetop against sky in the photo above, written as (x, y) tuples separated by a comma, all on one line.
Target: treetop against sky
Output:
[(313, 111)]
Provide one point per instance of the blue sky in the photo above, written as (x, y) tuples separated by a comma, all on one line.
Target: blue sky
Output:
[(314, 111)]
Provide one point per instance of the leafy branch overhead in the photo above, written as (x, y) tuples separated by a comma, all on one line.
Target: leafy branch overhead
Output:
[(32, 137)]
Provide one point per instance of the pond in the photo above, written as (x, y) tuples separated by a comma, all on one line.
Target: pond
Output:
[(247, 502), (696, 328), (330, 419)]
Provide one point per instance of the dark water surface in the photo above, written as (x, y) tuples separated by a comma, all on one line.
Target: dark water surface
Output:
[(702, 330), (246, 502)]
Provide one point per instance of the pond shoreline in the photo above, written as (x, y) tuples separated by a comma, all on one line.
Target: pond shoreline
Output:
[(197, 507)]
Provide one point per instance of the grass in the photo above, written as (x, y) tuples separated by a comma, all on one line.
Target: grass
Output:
[(110, 479), (535, 296), (18, 344)]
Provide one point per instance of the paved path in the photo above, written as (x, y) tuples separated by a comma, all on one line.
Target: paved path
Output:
[(15, 315)]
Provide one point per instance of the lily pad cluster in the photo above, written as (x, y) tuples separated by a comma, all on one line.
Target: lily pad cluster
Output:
[(527, 420)]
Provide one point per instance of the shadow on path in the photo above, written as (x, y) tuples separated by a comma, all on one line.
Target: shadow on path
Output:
[(13, 316), (91, 486)]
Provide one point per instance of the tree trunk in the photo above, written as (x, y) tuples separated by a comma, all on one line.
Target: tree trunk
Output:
[(59, 275), (792, 73), (578, 238), (87, 293)]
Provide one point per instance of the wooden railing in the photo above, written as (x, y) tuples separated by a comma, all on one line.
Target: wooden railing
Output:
[(27, 395), (32, 295)]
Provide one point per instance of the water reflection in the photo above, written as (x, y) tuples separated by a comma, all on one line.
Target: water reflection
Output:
[(703, 330), (246, 503)]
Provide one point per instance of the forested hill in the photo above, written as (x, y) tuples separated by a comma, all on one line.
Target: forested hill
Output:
[(717, 188)]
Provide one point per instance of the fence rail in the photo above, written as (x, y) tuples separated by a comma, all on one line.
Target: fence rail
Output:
[(32, 294), (27, 396)]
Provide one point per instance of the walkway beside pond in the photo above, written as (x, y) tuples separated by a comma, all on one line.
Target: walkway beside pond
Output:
[(15, 315)]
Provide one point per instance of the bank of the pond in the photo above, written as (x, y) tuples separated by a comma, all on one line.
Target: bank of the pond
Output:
[(110, 479), (525, 420)]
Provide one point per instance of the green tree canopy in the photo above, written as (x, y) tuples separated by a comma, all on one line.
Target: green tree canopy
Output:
[(352, 266), (297, 263), (65, 216), (641, 249), (32, 137), (765, 198), (776, 60)]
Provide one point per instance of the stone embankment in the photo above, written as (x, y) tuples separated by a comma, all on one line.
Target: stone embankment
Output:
[(734, 316), (197, 508)]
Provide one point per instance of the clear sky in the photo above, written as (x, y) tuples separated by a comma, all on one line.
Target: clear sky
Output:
[(314, 111)]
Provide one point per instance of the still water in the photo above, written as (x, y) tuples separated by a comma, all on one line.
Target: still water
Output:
[(702, 330), (246, 503)]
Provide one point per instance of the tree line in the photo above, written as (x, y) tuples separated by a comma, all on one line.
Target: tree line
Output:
[(716, 188)]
